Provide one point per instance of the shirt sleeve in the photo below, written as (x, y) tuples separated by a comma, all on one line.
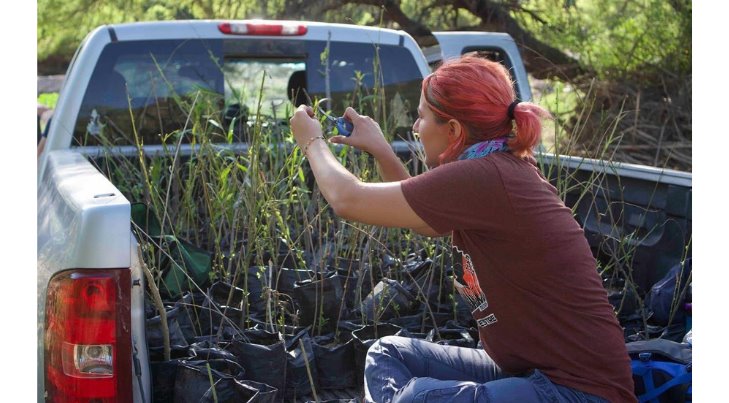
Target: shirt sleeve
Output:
[(459, 195)]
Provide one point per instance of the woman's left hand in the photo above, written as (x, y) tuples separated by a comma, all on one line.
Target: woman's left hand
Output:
[(366, 135), (304, 125)]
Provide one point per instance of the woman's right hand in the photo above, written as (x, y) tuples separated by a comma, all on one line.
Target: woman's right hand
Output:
[(366, 134)]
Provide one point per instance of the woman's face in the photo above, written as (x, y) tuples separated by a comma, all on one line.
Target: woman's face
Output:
[(433, 134)]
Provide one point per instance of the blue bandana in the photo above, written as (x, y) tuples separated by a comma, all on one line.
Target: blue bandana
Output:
[(485, 148)]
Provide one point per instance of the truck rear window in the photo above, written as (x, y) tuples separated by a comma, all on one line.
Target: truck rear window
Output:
[(144, 91)]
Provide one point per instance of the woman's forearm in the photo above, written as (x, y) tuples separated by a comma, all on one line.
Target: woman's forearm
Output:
[(335, 182), (381, 204), (390, 167)]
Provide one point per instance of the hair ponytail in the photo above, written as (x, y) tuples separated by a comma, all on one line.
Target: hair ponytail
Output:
[(528, 128), (478, 92)]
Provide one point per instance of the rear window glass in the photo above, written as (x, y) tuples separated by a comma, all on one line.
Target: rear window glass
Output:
[(144, 91), (139, 90)]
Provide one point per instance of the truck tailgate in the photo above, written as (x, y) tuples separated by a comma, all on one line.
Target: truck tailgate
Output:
[(83, 223)]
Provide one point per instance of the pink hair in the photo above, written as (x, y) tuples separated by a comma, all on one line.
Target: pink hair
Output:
[(477, 92)]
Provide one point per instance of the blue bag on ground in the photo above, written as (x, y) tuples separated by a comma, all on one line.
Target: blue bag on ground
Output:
[(661, 370)]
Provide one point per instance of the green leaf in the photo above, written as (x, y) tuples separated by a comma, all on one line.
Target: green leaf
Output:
[(224, 173)]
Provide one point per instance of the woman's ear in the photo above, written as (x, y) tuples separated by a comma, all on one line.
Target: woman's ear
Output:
[(455, 130)]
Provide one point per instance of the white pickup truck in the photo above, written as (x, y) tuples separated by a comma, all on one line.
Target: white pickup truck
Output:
[(91, 317)]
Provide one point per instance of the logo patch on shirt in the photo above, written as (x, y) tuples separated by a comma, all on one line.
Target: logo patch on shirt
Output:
[(468, 286), (488, 320)]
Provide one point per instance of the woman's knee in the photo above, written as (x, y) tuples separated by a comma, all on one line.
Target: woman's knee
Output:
[(385, 369), (387, 346), (388, 342)]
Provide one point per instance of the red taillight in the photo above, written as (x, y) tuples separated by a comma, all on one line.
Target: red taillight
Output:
[(88, 337), (262, 28)]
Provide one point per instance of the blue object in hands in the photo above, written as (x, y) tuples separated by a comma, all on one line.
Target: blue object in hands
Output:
[(344, 126)]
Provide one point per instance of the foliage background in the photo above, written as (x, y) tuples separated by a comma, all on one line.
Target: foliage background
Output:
[(628, 60)]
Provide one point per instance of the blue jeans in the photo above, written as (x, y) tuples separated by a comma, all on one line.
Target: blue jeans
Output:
[(400, 369)]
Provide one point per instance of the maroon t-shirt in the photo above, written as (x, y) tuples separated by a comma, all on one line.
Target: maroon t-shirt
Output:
[(528, 273)]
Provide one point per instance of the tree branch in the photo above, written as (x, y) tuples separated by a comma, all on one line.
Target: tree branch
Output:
[(540, 59), (421, 33)]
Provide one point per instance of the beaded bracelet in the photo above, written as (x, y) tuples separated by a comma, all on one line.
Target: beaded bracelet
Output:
[(308, 143)]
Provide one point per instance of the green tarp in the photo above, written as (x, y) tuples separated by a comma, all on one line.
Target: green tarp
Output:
[(182, 264)]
